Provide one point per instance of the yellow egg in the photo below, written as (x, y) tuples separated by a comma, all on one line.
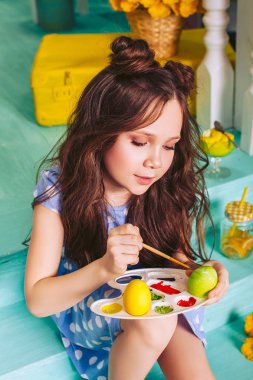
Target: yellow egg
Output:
[(137, 298)]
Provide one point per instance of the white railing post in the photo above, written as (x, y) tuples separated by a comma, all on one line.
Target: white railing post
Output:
[(244, 43), (215, 75), (247, 116)]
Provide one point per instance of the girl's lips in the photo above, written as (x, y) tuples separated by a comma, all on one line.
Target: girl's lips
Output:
[(144, 180)]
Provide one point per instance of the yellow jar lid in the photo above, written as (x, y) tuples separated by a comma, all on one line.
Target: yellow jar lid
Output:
[(244, 214)]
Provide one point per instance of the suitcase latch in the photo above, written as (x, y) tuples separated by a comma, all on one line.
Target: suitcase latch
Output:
[(64, 92)]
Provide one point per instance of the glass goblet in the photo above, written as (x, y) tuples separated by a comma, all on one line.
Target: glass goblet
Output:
[(217, 145), (215, 170)]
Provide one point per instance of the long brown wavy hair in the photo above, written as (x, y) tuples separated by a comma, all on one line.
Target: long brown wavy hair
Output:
[(129, 94)]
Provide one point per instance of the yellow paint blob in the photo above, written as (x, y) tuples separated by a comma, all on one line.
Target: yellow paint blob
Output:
[(111, 308)]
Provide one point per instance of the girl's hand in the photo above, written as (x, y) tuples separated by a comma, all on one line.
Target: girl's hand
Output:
[(223, 282), (123, 245)]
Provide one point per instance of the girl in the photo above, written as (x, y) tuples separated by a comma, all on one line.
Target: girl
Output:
[(129, 170)]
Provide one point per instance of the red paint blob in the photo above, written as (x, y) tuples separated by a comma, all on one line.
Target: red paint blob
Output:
[(186, 303), (165, 288)]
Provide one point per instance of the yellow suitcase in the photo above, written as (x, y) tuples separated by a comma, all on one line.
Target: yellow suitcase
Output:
[(62, 67)]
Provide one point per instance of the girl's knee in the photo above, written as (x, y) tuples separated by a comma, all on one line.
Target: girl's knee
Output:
[(155, 333)]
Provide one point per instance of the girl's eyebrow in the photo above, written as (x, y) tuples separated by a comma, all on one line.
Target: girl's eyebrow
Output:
[(152, 135)]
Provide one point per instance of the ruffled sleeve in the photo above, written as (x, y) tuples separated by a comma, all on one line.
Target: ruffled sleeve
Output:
[(45, 187)]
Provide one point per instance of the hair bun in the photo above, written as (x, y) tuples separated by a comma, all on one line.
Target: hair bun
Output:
[(183, 74), (131, 56)]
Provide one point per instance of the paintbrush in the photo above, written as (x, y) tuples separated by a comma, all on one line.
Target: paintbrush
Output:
[(159, 253)]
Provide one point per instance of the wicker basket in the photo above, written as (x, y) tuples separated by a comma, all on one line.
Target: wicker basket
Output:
[(162, 34)]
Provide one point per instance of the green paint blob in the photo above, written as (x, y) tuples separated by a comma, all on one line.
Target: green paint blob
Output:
[(155, 296), (163, 309)]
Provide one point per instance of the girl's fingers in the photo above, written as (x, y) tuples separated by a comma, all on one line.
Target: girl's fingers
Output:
[(127, 234), (130, 259), (131, 240), (125, 229), (223, 282), (193, 267), (180, 256), (128, 250)]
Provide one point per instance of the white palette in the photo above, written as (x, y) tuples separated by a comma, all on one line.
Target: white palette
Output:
[(170, 278)]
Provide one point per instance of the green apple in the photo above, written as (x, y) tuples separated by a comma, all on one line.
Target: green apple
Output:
[(202, 280)]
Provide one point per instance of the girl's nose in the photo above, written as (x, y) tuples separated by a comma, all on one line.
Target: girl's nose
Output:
[(153, 161)]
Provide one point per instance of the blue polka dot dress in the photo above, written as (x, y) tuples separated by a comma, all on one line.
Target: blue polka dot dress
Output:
[(88, 337)]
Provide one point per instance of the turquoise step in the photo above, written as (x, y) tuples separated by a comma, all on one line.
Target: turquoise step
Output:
[(25, 339), (238, 300), (31, 348), (12, 269), (224, 355), (55, 367)]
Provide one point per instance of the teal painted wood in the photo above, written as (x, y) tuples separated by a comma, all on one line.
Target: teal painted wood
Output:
[(237, 302), (12, 270), (224, 355), (25, 339), (223, 351), (55, 367), (36, 351)]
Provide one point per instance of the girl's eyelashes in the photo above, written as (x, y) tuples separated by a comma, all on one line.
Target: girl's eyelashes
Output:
[(137, 143), (173, 147)]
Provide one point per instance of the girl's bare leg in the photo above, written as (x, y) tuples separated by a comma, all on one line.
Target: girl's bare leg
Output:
[(137, 348), (184, 358)]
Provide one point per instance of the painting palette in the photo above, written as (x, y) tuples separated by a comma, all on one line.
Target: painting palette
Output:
[(168, 290)]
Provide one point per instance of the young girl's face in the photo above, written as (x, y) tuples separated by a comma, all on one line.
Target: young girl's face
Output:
[(141, 157)]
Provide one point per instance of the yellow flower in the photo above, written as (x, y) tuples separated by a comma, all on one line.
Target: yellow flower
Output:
[(248, 327), (149, 3), (174, 5), (247, 348), (115, 4), (128, 7), (159, 11), (160, 8), (188, 8), (171, 3)]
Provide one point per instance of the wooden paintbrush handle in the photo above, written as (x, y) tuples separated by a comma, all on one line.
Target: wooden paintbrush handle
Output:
[(159, 253)]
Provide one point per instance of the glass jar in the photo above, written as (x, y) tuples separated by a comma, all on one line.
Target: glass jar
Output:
[(236, 239)]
